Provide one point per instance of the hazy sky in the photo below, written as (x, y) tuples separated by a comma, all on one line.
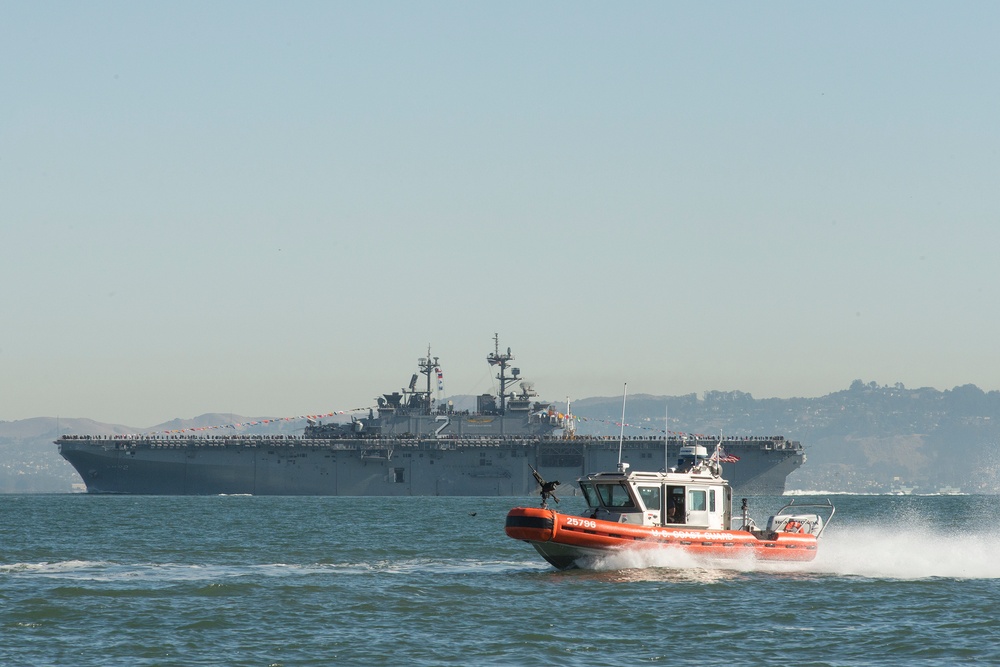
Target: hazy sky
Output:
[(273, 208)]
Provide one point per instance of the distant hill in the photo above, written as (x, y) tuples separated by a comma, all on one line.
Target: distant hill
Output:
[(867, 438)]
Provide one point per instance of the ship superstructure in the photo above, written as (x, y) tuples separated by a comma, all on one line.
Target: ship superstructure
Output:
[(409, 445)]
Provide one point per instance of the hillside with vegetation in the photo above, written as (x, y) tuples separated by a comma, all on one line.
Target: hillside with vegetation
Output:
[(868, 438)]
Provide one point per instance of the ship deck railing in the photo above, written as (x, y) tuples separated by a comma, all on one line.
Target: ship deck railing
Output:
[(132, 441)]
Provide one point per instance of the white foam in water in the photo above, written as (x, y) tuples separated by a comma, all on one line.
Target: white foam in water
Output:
[(672, 563), (66, 567), (878, 552), (907, 552), (105, 571)]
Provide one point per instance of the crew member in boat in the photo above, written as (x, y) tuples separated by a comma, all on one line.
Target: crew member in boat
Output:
[(675, 508)]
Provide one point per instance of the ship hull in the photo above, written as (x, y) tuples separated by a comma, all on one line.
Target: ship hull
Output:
[(418, 467)]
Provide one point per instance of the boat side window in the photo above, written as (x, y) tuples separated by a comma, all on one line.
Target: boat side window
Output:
[(696, 501), (588, 495), (615, 495), (650, 497), (711, 499)]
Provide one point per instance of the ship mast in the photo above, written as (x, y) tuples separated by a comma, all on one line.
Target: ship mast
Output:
[(501, 360), (427, 365)]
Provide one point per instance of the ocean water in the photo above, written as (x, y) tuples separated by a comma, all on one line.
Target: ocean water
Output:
[(237, 580)]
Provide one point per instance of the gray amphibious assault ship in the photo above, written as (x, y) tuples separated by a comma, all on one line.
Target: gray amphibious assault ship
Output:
[(409, 447)]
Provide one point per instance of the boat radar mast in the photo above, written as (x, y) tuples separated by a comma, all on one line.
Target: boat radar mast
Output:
[(501, 360)]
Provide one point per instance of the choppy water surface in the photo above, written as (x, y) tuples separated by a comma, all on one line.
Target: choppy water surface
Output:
[(98, 580)]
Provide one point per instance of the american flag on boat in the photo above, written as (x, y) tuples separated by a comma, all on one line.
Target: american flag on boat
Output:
[(722, 457)]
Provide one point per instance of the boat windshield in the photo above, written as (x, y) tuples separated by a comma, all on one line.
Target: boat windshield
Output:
[(615, 495), (588, 495)]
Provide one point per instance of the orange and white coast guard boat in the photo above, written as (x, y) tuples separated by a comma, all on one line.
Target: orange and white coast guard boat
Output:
[(689, 507)]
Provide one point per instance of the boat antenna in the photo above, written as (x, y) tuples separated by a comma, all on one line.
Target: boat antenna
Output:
[(666, 436), (621, 434)]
